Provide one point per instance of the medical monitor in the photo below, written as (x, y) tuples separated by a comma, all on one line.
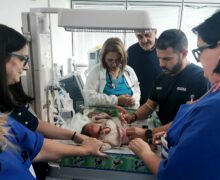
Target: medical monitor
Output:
[(74, 84)]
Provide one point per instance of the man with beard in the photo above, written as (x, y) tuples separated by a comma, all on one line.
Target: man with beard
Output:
[(181, 81), (142, 57)]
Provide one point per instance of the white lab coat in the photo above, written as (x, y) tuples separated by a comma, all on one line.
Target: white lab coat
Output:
[(95, 84)]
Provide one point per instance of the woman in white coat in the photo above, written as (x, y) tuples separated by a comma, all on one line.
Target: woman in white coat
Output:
[(112, 82)]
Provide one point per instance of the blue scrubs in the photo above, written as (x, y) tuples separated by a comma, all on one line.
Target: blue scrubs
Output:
[(16, 163), (121, 86), (194, 143)]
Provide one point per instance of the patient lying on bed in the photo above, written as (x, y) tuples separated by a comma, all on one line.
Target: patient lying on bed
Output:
[(106, 130)]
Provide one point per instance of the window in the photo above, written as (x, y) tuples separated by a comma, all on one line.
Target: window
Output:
[(162, 18), (165, 14), (193, 16), (86, 42)]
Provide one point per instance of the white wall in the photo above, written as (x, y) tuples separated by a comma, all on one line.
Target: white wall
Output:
[(10, 15), (10, 11)]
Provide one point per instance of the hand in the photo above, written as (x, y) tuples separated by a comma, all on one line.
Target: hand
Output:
[(157, 137), (126, 100), (121, 119), (135, 132), (93, 146), (192, 102), (139, 147), (130, 102), (79, 138), (124, 116)]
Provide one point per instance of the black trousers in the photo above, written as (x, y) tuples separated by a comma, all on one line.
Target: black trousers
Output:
[(41, 170)]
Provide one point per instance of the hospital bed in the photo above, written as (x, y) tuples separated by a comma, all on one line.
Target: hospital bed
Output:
[(121, 164)]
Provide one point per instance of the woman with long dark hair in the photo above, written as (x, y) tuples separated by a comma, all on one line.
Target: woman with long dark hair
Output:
[(13, 100)]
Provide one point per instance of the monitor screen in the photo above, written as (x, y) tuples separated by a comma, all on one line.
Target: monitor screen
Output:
[(74, 84)]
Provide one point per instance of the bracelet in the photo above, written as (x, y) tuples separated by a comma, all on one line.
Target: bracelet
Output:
[(134, 117), (149, 107), (74, 134)]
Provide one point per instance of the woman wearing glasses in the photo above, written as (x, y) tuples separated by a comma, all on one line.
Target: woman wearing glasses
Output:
[(192, 142), (13, 100), (112, 82)]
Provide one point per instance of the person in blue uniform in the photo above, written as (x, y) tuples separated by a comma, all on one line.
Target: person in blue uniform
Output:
[(180, 82), (19, 147), (193, 138), (15, 158), (13, 100), (142, 57)]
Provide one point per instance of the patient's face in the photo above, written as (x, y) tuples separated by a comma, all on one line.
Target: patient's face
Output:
[(93, 130)]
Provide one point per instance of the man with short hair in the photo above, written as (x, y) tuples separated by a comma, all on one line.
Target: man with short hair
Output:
[(142, 57), (181, 81)]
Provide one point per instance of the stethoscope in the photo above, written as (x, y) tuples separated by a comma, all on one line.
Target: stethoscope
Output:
[(112, 85)]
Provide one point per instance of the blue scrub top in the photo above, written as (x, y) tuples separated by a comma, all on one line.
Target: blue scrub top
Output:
[(16, 163), (194, 142), (121, 86)]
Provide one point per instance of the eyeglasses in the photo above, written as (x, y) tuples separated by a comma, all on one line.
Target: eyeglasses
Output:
[(116, 61), (22, 58), (198, 51)]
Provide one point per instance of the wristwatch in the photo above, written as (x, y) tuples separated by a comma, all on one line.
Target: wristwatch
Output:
[(149, 135)]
